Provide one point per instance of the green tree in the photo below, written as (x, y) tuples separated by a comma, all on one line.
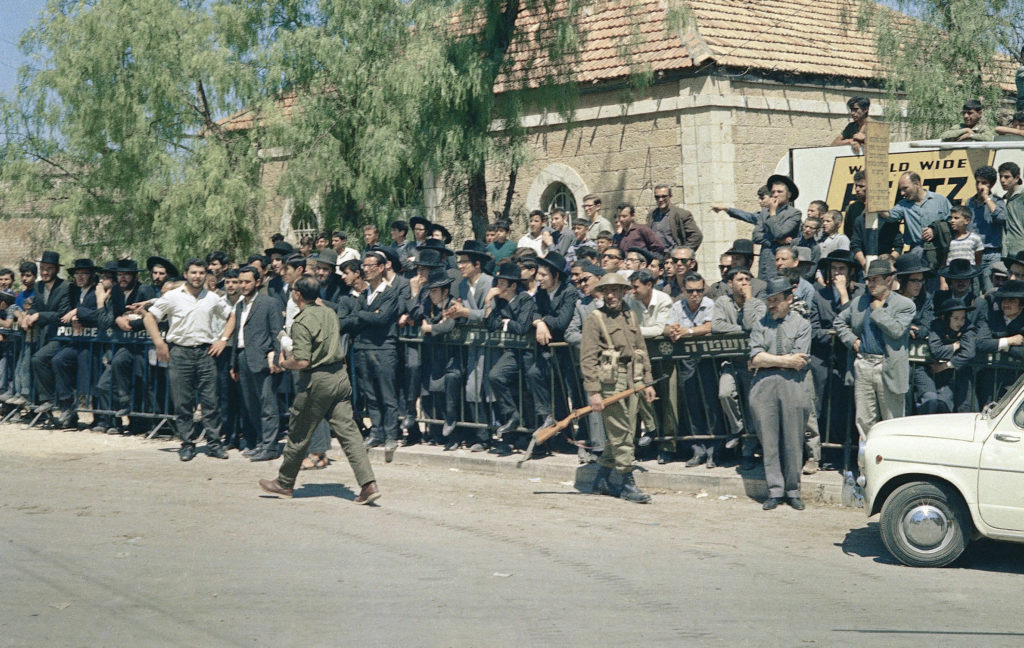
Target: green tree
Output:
[(940, 53), (115, 125)]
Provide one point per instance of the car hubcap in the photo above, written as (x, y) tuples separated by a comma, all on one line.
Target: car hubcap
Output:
[(925, 527)]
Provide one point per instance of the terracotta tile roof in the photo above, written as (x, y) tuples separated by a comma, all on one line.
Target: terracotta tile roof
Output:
[(808, 37)]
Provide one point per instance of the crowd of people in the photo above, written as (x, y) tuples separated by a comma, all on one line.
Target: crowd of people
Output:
[(830, 302)]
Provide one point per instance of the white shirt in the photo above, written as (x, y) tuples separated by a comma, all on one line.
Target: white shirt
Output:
[(653, 317), (346, 255), (381, 287), (246, 307), (534, 243), (192, 320)]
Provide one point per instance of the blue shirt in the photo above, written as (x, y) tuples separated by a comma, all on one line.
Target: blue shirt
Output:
[(871, 339), (19, 301), (988, 223), (916, 217)]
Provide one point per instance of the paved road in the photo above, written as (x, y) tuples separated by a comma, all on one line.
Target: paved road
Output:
[(113, 542)]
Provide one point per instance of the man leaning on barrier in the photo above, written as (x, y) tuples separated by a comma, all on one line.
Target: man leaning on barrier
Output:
[(51, 302), (613, 358)]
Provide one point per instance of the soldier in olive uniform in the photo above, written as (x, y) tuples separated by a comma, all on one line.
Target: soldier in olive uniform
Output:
[(613, 359), (323, 390)]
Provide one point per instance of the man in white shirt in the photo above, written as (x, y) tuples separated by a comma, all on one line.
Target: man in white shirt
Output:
[(200, 324), (533, 238), (652, 308)]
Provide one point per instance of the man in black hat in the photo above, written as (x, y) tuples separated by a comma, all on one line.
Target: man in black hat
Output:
[(775, 225), (440, 232), (374, 328), (119, 384), (331, 285), (426, 261), (471, 307), (442, 376), (160, 272), (959, 276), (741, 255), (737, 312), (780, 401), (556, 300), (509, 311), (272, 276), (1001, 331), (876, 329), (951, 343), (73, 358), (51, 302)]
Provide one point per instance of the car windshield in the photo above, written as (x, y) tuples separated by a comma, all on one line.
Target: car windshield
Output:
[(993, 410)]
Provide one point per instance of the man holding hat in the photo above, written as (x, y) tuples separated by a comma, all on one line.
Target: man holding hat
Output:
[(52, 300), (776, 224), (876, 329), (613, 358), (780, 397), (509, 310)]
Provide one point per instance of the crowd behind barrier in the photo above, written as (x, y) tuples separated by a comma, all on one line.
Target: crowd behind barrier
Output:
[(150, 401)]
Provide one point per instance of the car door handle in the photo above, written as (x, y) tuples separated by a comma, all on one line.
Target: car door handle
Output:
[(1009, 438)]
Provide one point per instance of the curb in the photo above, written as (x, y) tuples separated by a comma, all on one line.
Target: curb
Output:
[(823, 488)]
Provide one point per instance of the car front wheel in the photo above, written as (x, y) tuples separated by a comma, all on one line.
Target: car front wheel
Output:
[(925, 524)]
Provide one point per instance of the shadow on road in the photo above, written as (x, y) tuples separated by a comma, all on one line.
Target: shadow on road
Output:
[(982, 555), (325, 490)]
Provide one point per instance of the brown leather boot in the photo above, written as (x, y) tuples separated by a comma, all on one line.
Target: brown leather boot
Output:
[(274, 487), (370, 493)]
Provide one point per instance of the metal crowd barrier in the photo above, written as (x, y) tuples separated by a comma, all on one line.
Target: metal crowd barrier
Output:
[(696, 366)]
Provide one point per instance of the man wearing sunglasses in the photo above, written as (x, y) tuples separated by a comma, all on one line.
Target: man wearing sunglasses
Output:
[(673, 224)]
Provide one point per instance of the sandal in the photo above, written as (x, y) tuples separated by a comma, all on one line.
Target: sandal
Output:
[(308, 463), (315, 462)]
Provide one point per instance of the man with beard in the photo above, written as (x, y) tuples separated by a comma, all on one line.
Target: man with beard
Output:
[(52, 300), (73, 357)]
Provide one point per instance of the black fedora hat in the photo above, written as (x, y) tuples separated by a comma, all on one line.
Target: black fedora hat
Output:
[(778, 285), (282, 248), (838, 256), (49, 257), (794, 191), (126, 265), (83, 264), (438, 279), (509, 272), (419, 220), (474, 248), (911, 264), (391, 255), (648, 257), (1013, 289), (742, 247), (959, 269), (952, 304), (445, 234), (428, 258), (1014, 258), (172, 270), (435, 244), (326, 256), (554, 261), (110, 267)]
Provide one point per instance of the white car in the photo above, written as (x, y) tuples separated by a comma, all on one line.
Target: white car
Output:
[(941, 480)]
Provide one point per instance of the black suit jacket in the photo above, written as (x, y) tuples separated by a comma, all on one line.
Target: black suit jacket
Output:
[(262, 326), (557, 310), (373, 326), (57, 302), (993, 326)]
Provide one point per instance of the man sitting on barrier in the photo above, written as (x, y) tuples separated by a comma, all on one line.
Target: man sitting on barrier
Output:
[(51, 302), (509, 310), (72, 365), (736, 313), (442, 376)]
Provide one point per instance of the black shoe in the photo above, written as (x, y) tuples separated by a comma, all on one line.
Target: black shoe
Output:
[(601, 485), (710, 463), (770, 503), (68, 420), (695, 460), (797, 503), (747, 464), (389, 450), (664, 458), (477, 447), (42, 408), (647, 438), (216, 451), (113, 431), (251, 452), (187, 452), (631, 493), (447, 429), (266, 454), (502, 449), (450, 444), (511, 426), (732, 442), (372, 442)]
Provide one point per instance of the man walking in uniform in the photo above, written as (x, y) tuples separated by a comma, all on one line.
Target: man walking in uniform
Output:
[(322, 390)]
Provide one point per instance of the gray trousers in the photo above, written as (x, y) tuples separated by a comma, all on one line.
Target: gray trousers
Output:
[(779, 404), (323, 392), (193, 374), (873, 401), (732, 383)]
